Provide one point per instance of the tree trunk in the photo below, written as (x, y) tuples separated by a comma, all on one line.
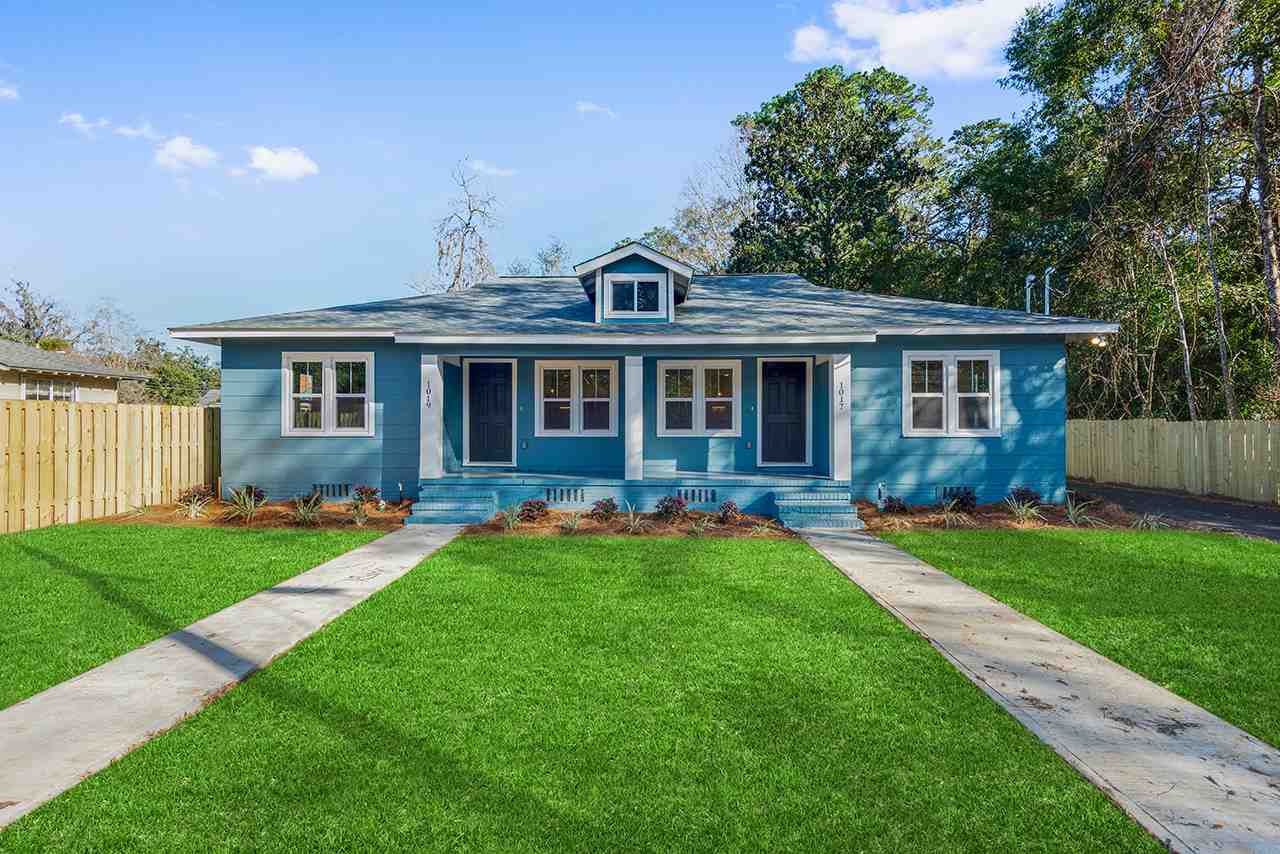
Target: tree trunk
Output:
[(1224, 355), (1158, 237), (1266, 222)]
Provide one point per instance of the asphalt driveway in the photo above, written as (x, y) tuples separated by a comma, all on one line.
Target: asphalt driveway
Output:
[(1238, 517)]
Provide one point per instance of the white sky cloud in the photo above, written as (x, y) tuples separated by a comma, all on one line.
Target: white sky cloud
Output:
[(957, 40), (588, 107), (281, 164), (484, 167), (81, 124), (8, 91), (142, 131), (180, 154)]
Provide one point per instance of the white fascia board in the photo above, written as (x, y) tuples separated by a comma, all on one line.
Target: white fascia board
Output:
[(633, 249), (1005, 329), (849, 338)]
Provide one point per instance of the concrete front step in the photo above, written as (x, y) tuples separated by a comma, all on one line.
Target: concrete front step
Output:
[(437, 504), (817, 508)]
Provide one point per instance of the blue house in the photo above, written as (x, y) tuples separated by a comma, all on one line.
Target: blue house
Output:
[(636, 378)]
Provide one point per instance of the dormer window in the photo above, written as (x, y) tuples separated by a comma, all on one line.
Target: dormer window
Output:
[(635, 295)]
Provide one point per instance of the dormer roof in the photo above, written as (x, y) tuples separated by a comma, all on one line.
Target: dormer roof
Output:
[(635, 247)]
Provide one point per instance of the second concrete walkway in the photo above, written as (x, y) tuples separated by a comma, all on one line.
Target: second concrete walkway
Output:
[(51, 741), (1193, 780)]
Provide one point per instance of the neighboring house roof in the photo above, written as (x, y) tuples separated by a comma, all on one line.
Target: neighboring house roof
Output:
[(212, 397), (20, 357), (726, 309)]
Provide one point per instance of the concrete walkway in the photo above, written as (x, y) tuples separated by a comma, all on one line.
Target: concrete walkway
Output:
[(1214, 514), (51, 741), (1193, 780)]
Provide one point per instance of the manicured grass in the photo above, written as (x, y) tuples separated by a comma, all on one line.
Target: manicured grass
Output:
[(78, 595), (1196, 613), (595, 694)]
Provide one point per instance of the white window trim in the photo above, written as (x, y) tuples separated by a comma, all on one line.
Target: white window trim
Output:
[(699, 397), (660, 278), (466, 413), (950, 392), (576, 400), (329, 399), (808, 411), (75, 389)]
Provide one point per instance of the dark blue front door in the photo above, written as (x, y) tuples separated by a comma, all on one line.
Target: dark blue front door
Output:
[(782, 413), (489, 411)]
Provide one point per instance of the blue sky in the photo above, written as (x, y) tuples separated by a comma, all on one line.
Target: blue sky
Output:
[(223, 161)]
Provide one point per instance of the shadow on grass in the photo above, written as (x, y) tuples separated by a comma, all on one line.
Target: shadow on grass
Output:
[(422, 763)]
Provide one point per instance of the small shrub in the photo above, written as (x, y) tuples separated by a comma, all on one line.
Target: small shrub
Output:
[(510, 518), (571, 523), (671, 507), (1026, 495), (306, 509), (604, 510), (895, 505), (532, 510), (633, 522), (245, 503), (365, 494), (729, 513), (1149, 522), (964, 501), (193, 502), (1076, 512), (701, 525), (359, 512), (953, 516), (1023, 511)]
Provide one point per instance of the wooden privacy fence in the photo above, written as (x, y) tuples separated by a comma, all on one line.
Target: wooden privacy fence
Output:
[(63, 462), (1238, 459)]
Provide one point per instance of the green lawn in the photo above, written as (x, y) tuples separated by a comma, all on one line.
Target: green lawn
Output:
[(78, 595), (1196, 613), (593, 694)]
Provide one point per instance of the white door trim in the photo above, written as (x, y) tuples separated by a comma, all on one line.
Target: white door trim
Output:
[(808, 410), (466, 412)]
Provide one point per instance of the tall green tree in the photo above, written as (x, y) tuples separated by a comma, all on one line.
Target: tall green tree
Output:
[(833, 164)]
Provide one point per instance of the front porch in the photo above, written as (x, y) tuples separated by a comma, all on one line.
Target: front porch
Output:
[(797, 501), (770, 432)]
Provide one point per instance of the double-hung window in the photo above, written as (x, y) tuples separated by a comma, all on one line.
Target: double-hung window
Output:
[(951, 393), (635, 295), (700, 398), (577, 398), (37, 389), (327, 394)]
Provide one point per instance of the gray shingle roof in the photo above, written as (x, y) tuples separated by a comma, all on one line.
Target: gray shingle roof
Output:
[(773, 304), (21, 357)]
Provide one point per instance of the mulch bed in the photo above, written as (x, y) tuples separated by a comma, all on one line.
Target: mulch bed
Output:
[(274, 514), (992, 516), (748, 525)]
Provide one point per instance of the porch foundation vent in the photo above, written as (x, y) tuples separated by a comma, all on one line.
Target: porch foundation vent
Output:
[(560, 495), (698, 496), (332, 490)]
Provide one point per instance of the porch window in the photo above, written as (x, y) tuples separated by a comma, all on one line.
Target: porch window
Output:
[(50, 390), (327, 394), (700, 398), (635, 295), (950, 393), (577, 398)]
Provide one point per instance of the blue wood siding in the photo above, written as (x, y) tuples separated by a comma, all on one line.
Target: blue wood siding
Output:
[(1031, 451), (253, 451)]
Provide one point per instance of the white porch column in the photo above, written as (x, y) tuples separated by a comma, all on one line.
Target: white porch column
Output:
[(841, 416), (431, 420), (633, 422)]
